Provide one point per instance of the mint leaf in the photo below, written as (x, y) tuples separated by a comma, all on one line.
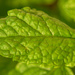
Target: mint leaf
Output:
[(37, 39), (23, 69)]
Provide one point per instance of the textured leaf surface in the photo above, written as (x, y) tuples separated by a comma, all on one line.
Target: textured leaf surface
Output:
[(34, 37)]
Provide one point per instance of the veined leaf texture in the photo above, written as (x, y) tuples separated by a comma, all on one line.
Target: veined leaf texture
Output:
[(35, 38)]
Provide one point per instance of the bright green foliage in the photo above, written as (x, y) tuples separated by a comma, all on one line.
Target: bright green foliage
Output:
[(70, 8), (37, 39), (23, 69), (61, 71), (67, 8)]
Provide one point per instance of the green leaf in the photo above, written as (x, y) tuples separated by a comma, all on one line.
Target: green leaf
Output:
[(73, 69), (67, 8), (35, 38), (6, 65), (70, 8), (23, 69), (14, 72), (61, 71)]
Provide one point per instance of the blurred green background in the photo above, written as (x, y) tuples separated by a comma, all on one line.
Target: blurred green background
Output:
[(63, 10)]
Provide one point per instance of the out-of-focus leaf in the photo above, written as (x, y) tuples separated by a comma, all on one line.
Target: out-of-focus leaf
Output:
[(6, 65), (23, 69), (67, 10), (73, 69), (15, 3), (61, 71)]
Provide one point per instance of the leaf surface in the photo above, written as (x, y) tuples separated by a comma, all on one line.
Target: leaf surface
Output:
[(37, 39), (23, 69)]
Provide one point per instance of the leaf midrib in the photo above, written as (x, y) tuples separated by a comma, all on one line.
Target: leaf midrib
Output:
[(39, 37)]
